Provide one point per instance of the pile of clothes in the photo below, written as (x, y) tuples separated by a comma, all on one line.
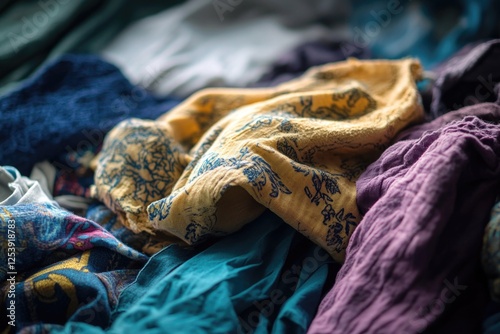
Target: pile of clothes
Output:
[(250, 166)]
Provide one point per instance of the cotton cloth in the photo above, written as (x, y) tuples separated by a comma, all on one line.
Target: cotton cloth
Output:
[(413, 263), (198, 44), (266, 278), (68, 106), (17, 189), (219, 159)]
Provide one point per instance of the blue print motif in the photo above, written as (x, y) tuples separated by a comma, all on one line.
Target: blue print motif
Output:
[(197, 232), (194, 232), (260, 172), (333, 237), (342, 106), (201, 225), (207, 142), (329, 182), (159, 210), (286, 126), (283, 145), (320, 179), (257, 123), (257, 173), (212, 161), (151, 172), (337, 222), (202, 149)]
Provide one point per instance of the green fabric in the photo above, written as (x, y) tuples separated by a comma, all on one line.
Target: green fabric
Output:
[(35, 31)]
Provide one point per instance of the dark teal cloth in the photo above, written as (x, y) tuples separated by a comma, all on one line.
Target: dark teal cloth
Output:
[(492, 324), (265, 278)]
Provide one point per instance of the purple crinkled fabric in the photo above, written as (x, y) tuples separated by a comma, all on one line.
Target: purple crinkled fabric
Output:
[(413, 263)]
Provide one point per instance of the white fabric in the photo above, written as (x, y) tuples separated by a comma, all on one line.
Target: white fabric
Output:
[(17, 189), (45, 173), (188, 47)]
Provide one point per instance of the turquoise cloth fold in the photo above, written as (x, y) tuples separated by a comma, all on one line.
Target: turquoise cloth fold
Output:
[(429, 30), (265, 278)]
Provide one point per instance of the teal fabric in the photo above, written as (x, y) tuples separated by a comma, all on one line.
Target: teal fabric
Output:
[(265, 278), (429, 30), (160, 265), (295, 314), (492, 324)]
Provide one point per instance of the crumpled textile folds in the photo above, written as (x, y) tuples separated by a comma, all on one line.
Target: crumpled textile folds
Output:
[(265, 278), (57, 266), (199, 44), (413, 265), (215, 162), (363, 196)]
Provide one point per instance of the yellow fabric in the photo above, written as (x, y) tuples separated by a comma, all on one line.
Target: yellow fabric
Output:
[(47, 283), (216, 161)]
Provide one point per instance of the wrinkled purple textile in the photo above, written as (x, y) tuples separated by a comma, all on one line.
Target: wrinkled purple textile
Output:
[(488, 112), (413, 263), (470, 77)]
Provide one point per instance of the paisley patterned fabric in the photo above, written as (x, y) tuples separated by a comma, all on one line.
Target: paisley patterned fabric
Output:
[(65, 266), (215, 162)]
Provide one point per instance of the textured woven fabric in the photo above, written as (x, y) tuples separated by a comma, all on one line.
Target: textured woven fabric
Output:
[(223, 156), (413, 263), (69, 105)]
